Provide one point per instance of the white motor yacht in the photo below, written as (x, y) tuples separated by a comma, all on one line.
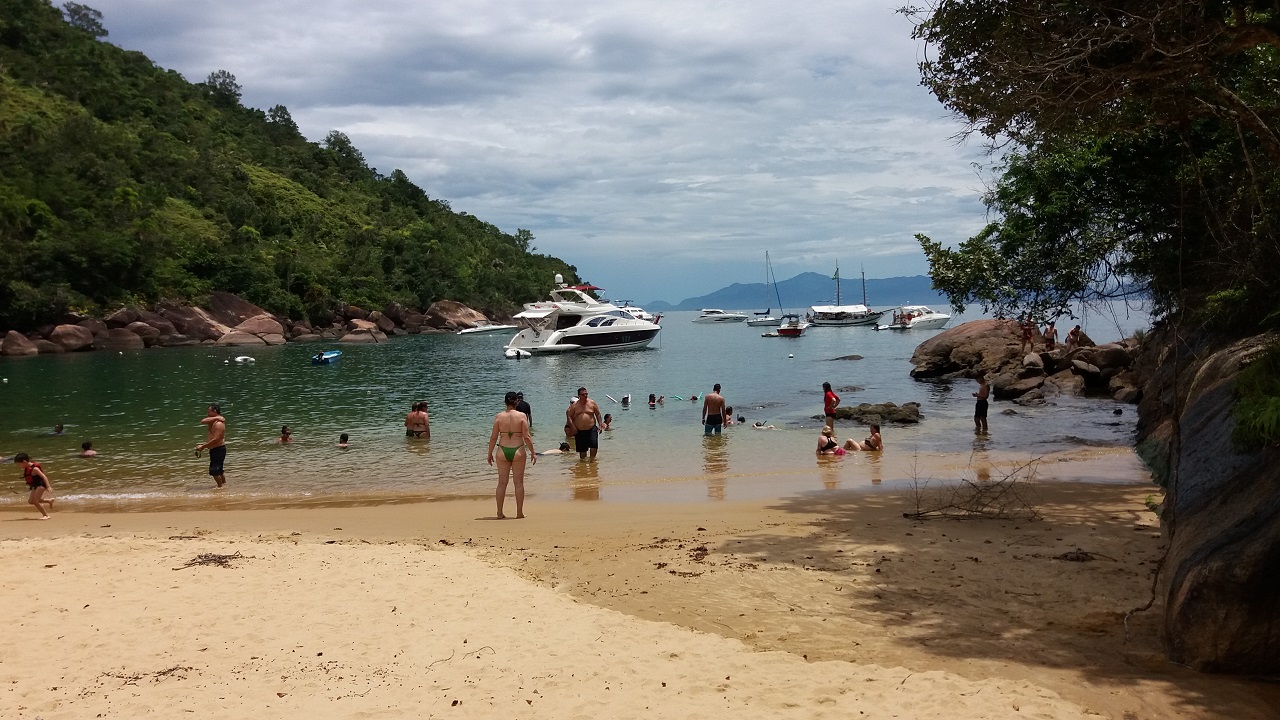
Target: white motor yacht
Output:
[(712, 315), (573, 321), (916, 317)]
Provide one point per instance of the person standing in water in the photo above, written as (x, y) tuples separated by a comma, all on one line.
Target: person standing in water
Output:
[(215, 443), (513, 428), (584, 417), (830, 401), (524, 407), (980, 407), (713, 411), (417, 424)]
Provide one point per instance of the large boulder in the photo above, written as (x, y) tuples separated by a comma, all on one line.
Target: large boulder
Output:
[(307, 337), (363, 336), (236, 339), (122, 318), (193, 322), (1008, 387), (118, 339), (230, 310), (72, 338), (46, 347), (396, 312), (969, 349), (262, 324), (355, 325), (93, 325), (15, 343), (352, 312), (414, 322), (383, 322), (157, 321), (177, 340), (880, 413), (1221, 513), (1111, 355), (452, 315), (149, 333)]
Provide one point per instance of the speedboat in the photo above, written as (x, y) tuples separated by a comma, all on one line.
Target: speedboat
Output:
[(792, 326), (573, 321), (328, 357), (712, 315), (485, 329), (916, 317), (639, 313), (765, 321)]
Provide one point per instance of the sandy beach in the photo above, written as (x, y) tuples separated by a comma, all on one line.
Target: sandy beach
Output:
[(820, 605)]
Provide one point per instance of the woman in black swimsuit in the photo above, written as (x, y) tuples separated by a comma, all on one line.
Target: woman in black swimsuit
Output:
[(513, 427), (37, 481)]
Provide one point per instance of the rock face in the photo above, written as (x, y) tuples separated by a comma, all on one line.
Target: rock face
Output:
[(1220, 583), (880, 413), (978, 346), (235, 338), (148, 333), (15, 343), (118, 339), (262, 324), (193, 322), (230, 310), (450, 315), (72, 338)]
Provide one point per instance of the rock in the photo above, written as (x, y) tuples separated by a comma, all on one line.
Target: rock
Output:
[(157, 321), (850, 388), (124, 317), (1086, 369), (229, 309), (118, 339), (177, 340), (147, 332), (1111, 355), (1065, 383), (414, 322), (193, 322), (396, 312), (972, 348), (97, 327), (1006, 387), (1127, 395), (48, 347), (331, 334), (307, 337), (363, 336), (1033, 360), (399, 332), (262, 324), (272, 338), (361, 326), (880, 413), (72, 338), (1221, 515), (453, 315), (848, 357), (427, 330), (16, 344), (383, 322), (352, 312), (239, 338), (1032, 398)]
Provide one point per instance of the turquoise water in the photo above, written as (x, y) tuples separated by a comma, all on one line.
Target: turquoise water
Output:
[(142, 412)]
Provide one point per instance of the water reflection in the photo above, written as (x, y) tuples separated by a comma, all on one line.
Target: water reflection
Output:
[(829, 471), (715, 464), (874, 470), (584, 478)]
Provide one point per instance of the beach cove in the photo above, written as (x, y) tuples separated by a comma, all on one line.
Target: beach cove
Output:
[(818, 605)]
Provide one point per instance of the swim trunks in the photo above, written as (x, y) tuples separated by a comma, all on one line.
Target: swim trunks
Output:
[(713, 424), (584, 440), (216, 457), (980, 409)]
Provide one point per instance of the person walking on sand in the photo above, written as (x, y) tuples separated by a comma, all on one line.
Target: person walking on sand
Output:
[(417, 424), (713, 411), (980, 407), (215, 443), (584, 417), (830, 401), (38, 482), (513, 427)]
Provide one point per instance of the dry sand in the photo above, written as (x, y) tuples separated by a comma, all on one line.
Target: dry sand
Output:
[(825, 605)]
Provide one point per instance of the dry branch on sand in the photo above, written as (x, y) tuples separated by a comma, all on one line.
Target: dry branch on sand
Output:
[(212, 559), (1010, 497)]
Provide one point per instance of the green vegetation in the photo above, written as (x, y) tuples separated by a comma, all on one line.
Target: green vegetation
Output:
[(1257, 409), (121, 182), (1141, 153)]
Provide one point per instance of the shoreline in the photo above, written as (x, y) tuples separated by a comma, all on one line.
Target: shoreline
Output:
[(815, 604)]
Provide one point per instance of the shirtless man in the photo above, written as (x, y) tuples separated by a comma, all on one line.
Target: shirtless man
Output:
[(215, 443), (713, 411), (417, 424), (584, 417)]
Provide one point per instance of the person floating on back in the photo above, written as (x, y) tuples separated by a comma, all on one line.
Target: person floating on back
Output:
[(38, 482)]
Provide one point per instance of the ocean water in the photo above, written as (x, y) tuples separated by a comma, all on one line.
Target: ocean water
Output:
[(141, 410)]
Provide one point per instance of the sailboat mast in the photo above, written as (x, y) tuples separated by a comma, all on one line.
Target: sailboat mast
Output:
[(837, 283), (864, 286)]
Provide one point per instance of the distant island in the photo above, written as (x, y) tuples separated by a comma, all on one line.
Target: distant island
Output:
[(807, 289)]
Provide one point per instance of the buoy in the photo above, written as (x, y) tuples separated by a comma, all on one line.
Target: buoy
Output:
[(791, 356)]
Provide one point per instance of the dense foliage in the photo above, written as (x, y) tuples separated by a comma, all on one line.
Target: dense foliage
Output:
[(121, 182), (1142, 152)]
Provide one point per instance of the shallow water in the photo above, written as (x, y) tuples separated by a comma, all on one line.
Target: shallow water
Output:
[(142, 412)]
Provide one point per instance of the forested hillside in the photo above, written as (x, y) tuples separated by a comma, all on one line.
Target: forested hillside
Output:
[(122, 182)]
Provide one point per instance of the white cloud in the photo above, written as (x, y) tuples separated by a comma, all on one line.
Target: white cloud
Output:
[(660, 146)]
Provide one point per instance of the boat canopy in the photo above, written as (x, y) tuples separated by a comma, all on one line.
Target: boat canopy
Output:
[(834, 309), (534, 314)]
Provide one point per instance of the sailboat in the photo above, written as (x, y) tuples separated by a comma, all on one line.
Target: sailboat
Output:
[(765, 319), (838, 314)]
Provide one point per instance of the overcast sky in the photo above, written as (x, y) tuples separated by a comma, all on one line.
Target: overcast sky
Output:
[(661, 147)]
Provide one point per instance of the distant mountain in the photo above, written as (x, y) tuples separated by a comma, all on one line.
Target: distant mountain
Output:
[(807, 289)]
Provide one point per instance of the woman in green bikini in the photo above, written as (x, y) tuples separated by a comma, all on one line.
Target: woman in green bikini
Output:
[(513, 427)]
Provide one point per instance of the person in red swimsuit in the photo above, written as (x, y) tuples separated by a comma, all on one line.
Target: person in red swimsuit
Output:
[(830, 401)]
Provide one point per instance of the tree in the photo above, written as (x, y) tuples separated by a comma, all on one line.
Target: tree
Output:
[(83, 17), (223, 88)]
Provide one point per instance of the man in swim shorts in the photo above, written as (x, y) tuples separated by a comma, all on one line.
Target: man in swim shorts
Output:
[(713, 411), (584, 417), (215, 443), (980, 407)]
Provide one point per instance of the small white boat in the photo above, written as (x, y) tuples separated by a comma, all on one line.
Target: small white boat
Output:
[(916, 317), (328, 357), (485, 329), (514, 354), (713, 315), (244, 359)]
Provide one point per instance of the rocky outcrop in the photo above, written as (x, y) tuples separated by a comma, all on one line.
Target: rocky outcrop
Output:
[(193, 322), (237, 339), (230, 310), (124, 317), (1221, 578), (16, 344), (967, 350), (72, 338), (118, 339), (93, 325), (148, 333), (450, 315), (880, 413)]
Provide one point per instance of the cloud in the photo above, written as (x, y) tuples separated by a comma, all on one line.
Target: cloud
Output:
[(661, 147)]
